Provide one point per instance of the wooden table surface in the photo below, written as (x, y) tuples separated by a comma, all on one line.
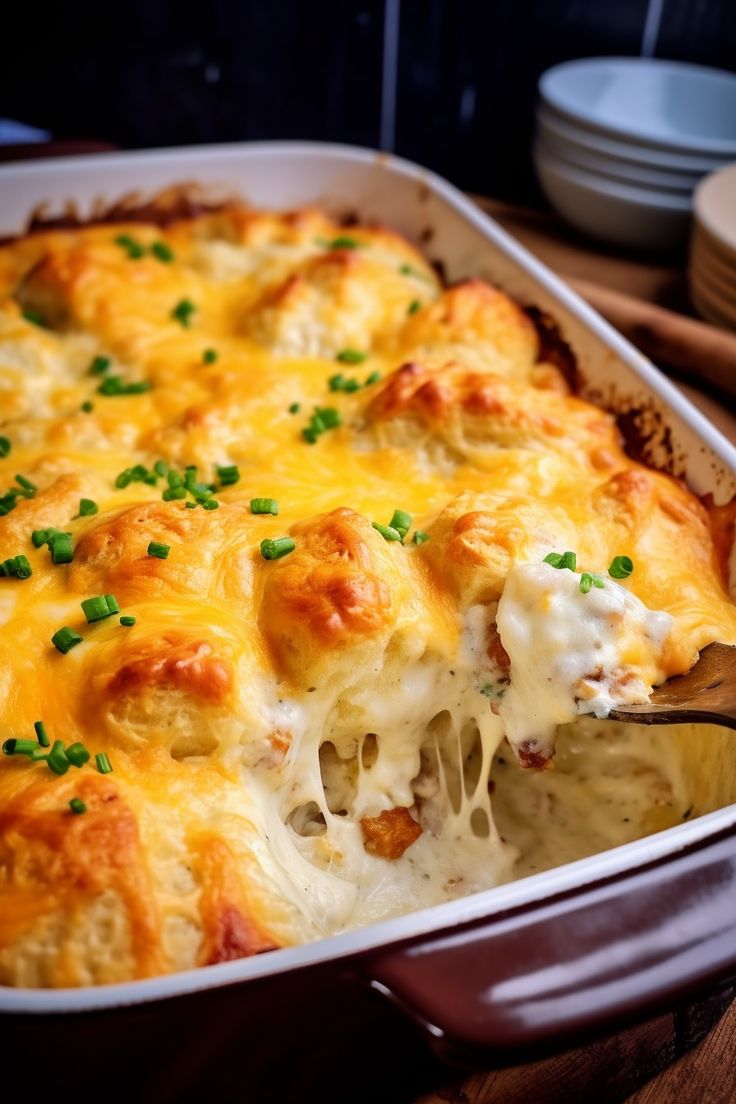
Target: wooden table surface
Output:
[(605, 1071)]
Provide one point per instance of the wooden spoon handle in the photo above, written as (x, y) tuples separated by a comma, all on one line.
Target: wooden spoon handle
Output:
[(684, 343)]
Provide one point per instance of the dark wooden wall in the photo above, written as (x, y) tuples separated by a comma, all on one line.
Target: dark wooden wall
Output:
[(162, 72)]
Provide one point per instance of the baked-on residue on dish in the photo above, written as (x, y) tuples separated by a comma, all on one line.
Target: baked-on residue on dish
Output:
[(292, 539)]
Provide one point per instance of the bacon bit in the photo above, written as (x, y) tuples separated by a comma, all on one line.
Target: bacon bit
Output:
[(531, 756), (389, 834)]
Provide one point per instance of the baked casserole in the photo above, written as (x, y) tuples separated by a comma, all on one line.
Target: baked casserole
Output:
[(317, 582)]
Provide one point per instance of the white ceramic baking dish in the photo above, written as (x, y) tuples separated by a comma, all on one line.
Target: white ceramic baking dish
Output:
[(527, 966)]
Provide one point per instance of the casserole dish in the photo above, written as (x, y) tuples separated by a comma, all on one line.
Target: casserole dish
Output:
[(531, 965)]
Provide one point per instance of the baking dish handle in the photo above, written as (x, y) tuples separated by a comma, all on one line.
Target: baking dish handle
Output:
[(589, 961)]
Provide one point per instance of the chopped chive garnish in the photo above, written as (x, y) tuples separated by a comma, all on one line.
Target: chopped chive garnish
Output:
[(190, 505), (87, 507), (420, 537), (275, 549), (295, 408), (65, 639), (77, 755), (133, 248), (351, 356), (324, 417), (374, 377), (561, 560), (60, 546), (57, 759), (264, 506), (414, 306), (26, 484), (39, 756), (335, 383), (5, 447), (160, 551), (586, 582), (128, 620), (344, 242), (387, 532), (99, 607), (209, 356), (87, 407), (162, 252), (41, 734), (77, 806), (116, 385), (103, 763), (621, 567), (183, 312), (172, 493), (331, 418), (209, 504), (17, 567), (19, 747), (401, 522), (161, 467), (34, 316), (99, 365), (228, 475), (40, 537)]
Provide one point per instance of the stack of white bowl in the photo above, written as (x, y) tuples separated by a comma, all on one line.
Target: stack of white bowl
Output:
[(621, 144), (713, 249)]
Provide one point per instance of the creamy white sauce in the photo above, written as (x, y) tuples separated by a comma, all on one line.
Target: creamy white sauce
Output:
[(571, 652)]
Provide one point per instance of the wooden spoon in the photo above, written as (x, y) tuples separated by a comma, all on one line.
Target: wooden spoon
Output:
[(706, 693)]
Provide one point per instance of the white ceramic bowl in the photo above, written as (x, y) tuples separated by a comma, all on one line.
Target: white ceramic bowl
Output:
[(715, 209), (579, 157), (620, 213), (647, 101), (617, 149)]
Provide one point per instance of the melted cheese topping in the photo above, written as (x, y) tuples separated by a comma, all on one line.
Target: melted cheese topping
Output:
[(305, 744)]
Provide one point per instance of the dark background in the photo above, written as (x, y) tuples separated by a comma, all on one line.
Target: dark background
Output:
[(450, 83)]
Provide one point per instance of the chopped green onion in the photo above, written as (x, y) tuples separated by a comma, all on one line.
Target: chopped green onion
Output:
[(209, 504), (264, 506), (162, 252), (128, 621), (41, 734), (87, 407), (330, 417), (401, 522), (99, 607), (17, 567), (77, 755), (190, 505), (19, 747), (60, 546), (414, 306), (183, 312), (209, 356), (160, 551), (133, 248), (103, 763), (336, 382), (40, 536), (621, 567), (351, 356), (586, 582), (174, 493), (26, 484), (87, 507), (420, 537), (561, 560), (161, 467), (374, 377), (57, 760), (115, 385), (275, 549), (65, 638), (228, 475), (5, 447), (34, 316), (344, 242), (99, 365), (39, 756), (387, 532), (295, 408), (351, 385), (77, 806)]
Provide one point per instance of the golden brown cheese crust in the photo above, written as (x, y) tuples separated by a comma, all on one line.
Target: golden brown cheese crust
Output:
[(456, 419)]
